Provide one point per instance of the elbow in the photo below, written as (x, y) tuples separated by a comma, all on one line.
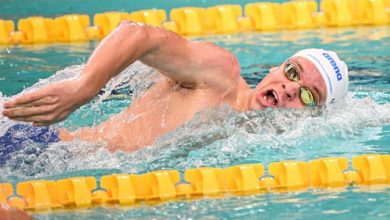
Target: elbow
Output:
[(134, 29), (134, 35), (124, 24), (153, 36)]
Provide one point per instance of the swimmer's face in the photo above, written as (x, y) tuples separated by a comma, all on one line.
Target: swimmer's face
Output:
[(276, 90)]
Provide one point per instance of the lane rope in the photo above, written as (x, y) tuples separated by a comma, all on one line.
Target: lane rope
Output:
[(163, 185)]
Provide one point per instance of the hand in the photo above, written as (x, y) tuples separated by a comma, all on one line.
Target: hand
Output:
[(48, 105)]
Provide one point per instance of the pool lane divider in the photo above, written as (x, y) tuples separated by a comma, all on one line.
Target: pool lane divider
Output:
[(163, 185), (196, 21)]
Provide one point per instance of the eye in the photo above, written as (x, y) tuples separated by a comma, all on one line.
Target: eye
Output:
[(291, 72)]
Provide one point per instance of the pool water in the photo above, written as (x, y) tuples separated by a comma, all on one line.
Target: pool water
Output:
[(221, 137)]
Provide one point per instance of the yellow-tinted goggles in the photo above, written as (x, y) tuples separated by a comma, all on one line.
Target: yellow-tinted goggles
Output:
[(307, 97)]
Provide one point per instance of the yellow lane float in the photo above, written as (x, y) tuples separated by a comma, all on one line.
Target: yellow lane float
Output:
[(195, 21), (264, 15), (72, 28), (6, 27), (129, 189)]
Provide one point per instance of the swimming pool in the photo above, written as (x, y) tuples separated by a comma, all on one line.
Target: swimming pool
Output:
[(226, 138), (362, 126)]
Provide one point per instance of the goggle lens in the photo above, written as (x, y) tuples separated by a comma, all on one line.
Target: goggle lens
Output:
[(306, 95)]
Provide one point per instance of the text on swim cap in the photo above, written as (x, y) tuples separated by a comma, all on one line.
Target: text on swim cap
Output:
[(334, 65)]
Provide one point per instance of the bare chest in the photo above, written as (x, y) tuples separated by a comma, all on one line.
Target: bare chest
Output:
[(162, 109)]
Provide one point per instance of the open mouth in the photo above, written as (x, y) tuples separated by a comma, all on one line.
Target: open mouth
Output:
[(271, 98)]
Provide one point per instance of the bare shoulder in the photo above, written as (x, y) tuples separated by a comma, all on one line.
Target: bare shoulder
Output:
[(221, 67), (216, 56)]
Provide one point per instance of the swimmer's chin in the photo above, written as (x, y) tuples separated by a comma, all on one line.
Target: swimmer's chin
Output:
[(256, 106)]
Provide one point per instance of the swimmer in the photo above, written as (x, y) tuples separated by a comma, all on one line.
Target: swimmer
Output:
[(198, 75)]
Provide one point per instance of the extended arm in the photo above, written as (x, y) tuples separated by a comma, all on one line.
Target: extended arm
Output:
[(193, 64)]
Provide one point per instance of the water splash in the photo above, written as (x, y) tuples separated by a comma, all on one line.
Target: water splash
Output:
[(136, 78), (214, 137)]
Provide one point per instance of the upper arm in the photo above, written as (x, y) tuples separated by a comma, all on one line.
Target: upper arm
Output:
[(197, 64), (193, 64)]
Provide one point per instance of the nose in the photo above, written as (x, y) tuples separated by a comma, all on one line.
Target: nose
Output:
[(290, 90)]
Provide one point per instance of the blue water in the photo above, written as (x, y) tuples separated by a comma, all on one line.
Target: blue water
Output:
[(360, 126)]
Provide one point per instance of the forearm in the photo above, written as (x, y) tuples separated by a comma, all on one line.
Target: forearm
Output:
[(127, 43), (123, 46)]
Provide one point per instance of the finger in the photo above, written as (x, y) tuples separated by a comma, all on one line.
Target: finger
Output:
[(46, 119), (49, 100), (25, 99), (28, 111)]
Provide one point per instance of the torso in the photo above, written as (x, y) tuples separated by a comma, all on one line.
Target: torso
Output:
[(163, 108)]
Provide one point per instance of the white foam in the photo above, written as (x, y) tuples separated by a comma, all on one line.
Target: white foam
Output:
[(215, 136)]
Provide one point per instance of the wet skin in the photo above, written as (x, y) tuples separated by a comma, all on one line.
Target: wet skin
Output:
[(168, 105), (198, 75)]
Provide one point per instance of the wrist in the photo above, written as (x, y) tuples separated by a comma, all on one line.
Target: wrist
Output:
[(88, 88)]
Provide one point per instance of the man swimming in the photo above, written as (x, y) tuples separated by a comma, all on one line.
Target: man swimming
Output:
[(198, 75)]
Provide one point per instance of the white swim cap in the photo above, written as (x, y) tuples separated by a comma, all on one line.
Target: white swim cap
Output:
[(332, 69)]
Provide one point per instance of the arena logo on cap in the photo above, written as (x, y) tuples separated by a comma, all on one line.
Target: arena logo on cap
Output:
[(334, 65)]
